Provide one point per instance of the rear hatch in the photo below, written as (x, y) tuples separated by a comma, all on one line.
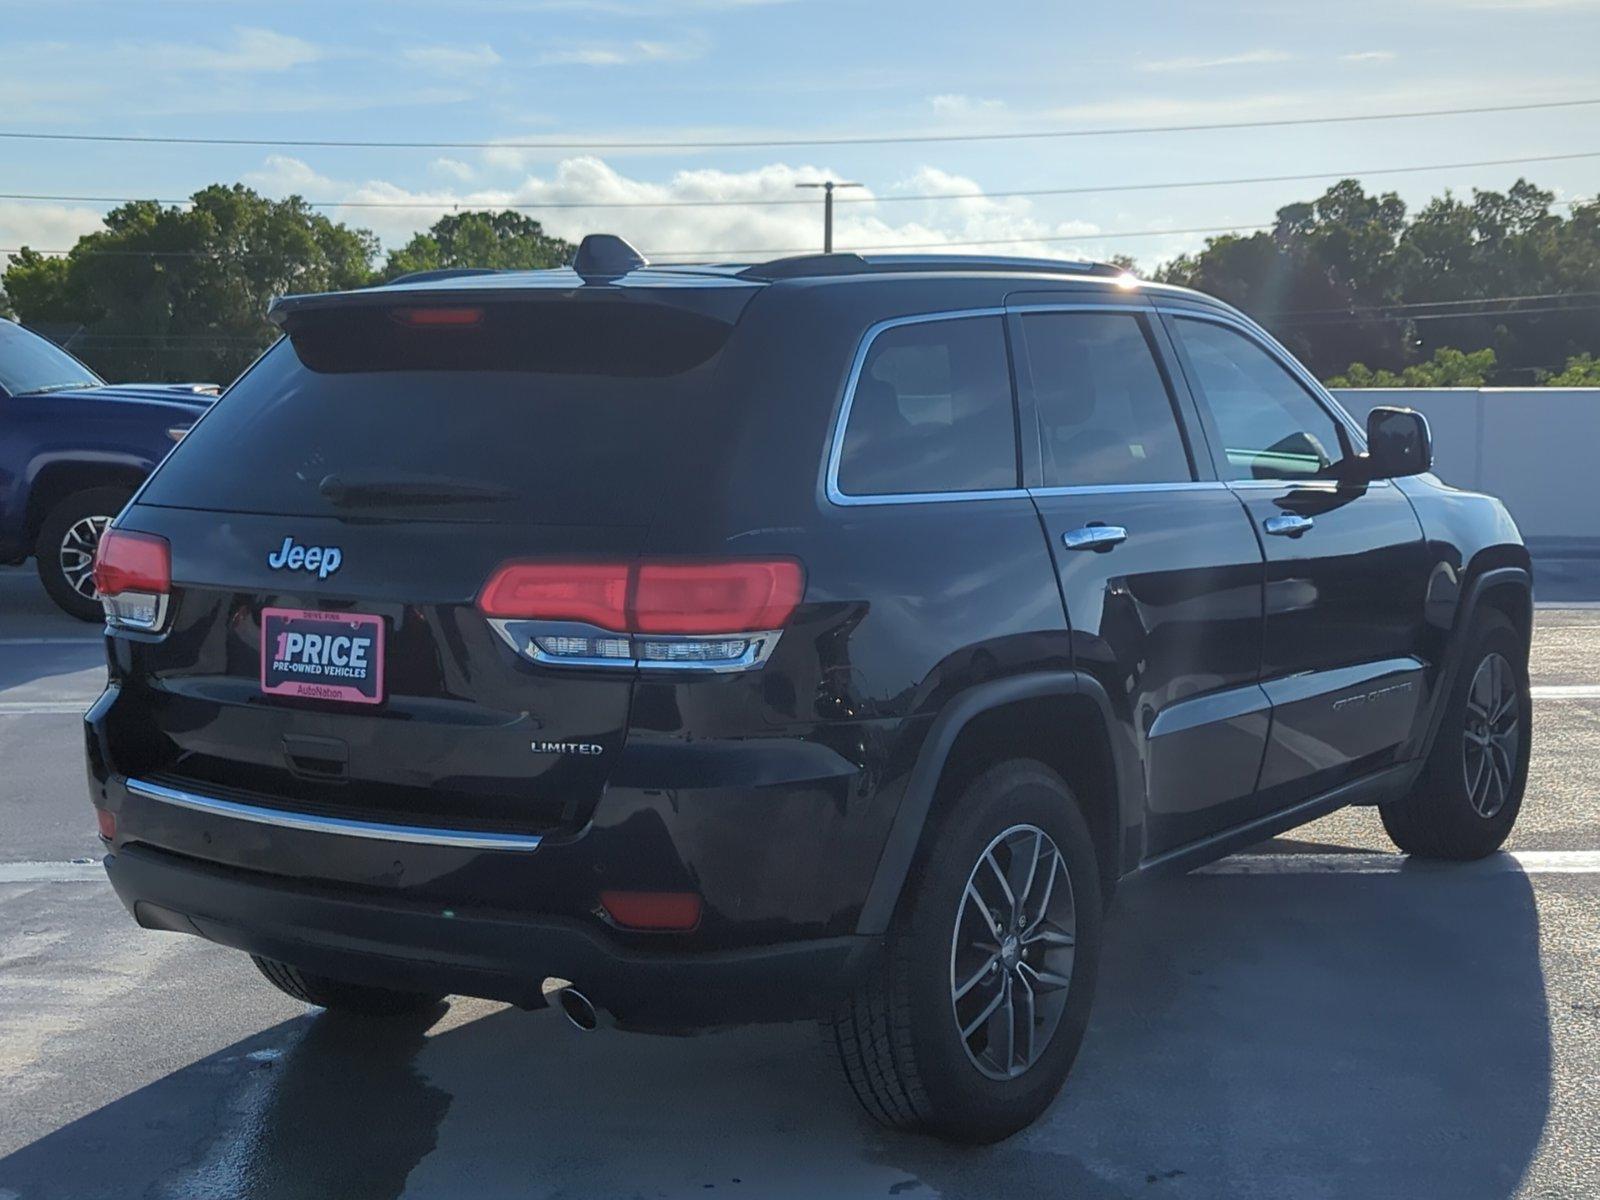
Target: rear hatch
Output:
[(363, 481)]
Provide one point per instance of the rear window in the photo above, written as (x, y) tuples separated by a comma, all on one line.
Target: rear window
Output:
[(563, 413)]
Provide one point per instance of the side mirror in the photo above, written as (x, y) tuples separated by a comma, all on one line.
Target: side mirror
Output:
[(1398, 443)]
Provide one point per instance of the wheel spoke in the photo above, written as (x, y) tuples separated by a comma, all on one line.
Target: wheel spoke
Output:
[(1005, 887), (1028, 1018), (985, 1013), (1049, 934), (982, 906), (981, 974), (1033, 870), (1049, 891), (1047, 981), (1009, 1015)]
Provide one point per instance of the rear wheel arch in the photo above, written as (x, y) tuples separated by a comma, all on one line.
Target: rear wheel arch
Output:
[(56, 481), (1062, 720)]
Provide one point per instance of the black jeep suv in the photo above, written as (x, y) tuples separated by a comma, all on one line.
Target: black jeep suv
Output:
[(824, 637)]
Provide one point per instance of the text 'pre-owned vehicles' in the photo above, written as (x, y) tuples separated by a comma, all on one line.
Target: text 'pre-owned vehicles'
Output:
[(823, 637), (72, 450)]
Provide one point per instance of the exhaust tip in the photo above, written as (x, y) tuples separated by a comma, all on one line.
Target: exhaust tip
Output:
[(579, 1009)]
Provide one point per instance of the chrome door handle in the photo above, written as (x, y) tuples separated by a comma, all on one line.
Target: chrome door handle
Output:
[(1288, 525), (1094, 537)]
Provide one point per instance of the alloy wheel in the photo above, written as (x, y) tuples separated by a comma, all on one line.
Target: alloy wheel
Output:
[(1012, 951), (1492, 738), (78, 545)]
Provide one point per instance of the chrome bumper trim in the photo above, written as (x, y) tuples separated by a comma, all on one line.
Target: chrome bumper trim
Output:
[(422, 835)]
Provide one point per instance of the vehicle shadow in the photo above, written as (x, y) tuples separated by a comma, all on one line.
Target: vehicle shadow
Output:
[(1283, 1036)]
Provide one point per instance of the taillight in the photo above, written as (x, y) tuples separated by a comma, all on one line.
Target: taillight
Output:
[(133, 574), (722, 614)]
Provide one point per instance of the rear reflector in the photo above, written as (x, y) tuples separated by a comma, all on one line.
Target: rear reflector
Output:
[(692, 598), (133, 574), (676, 911), (108, 823)]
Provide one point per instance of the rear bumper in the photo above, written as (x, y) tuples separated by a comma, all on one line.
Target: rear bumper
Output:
[(371, 938)]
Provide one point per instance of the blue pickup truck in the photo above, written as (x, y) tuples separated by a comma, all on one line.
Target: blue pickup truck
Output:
[(72, 450)]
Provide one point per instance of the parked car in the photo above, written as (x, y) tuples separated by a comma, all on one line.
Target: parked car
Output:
[(72, 450), (820, 637)]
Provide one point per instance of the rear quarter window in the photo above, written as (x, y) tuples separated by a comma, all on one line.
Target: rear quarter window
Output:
[(932, 411)]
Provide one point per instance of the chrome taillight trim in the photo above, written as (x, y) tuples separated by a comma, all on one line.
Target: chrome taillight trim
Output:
[(523, 637)]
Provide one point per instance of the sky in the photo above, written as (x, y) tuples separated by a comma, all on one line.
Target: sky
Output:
[(506, 71)]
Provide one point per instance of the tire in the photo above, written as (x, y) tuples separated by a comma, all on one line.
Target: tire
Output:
[(335, 995), (898, 1037), (1443, 816), (64, 552)]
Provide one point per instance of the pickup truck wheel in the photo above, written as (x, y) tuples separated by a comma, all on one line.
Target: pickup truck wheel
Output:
[(1470, 790), (969, 1028), (64, 553), (336, 995)]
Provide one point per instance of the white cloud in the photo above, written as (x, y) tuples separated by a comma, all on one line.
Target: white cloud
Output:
[(1249, 58), (724, 227), (44, 227), (1368, 56), (453, 59), (249, 51), (955, 104), (452, 167), (617, 54)]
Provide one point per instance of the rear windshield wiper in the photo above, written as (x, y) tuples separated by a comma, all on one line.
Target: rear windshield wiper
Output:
[(56, 387), (416, 489)]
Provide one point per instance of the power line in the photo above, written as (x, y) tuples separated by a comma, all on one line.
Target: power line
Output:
[(813, 140), (891, 199)]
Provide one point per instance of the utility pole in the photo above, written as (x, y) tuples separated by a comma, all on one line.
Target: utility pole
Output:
[(827, 208)]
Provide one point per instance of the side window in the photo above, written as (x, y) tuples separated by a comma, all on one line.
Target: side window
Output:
[(1105, 412), (1271, 426), (932, 412)]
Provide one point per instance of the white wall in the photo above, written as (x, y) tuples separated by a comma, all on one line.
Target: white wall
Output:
[(1538, 449)]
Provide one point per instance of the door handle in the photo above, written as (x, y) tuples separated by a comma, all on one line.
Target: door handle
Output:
[(1094, 537), (1288, 525)]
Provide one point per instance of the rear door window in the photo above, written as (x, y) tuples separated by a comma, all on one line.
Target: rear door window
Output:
[(932, 412), (1106, 415)]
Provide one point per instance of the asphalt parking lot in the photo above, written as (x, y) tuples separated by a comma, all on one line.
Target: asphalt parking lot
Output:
[(1315, 1019)]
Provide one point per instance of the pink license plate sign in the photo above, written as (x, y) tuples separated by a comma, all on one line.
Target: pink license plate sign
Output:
[(322, 655)]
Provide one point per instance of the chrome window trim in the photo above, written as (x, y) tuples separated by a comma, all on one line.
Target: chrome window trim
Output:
[(1237, 321), (466, 839)]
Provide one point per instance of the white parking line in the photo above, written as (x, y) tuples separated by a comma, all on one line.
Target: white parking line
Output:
[(79, 870), (52, 641), (1566, 691), (36, 708), (1529, 862)]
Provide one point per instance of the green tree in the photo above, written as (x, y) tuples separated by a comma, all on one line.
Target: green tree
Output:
[(1582, 370), (505, 240), (1331, 277), (1447, 368), (182, 292)]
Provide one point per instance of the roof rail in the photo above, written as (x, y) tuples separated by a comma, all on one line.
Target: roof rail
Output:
[(808, 265)]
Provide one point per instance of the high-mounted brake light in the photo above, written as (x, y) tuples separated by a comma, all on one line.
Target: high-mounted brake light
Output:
[(449, 315), (722, 614), (133, 574)]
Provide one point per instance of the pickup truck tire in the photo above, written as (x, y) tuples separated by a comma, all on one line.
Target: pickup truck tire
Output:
[(914, 1039), (336, 995), (1466, 799), (64, 553)]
